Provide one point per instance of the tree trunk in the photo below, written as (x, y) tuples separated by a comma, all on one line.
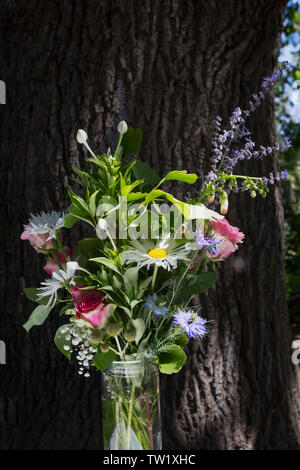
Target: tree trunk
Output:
[(182, 64)]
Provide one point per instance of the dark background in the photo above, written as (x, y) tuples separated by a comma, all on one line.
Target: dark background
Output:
[(182, 63)]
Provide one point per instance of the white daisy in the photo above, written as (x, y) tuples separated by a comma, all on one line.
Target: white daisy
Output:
[(45, 222), (165, 253), (57, 281)]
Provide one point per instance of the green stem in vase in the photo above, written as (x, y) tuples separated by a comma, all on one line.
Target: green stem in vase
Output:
[(130, 415)]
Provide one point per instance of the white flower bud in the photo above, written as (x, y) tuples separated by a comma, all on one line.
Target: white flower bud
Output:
[(224, 203), (122, 127), (81, 136), (102, 229), (72, 265), (102, 224)]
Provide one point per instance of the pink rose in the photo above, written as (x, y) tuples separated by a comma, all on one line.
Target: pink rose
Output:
[(229, 237), (51, 266), (39, 241), (89, 306)]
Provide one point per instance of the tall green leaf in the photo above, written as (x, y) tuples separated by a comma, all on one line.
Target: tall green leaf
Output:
[(38, 316)]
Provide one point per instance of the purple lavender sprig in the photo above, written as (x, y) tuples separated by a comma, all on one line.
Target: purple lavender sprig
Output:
[(221, 156)]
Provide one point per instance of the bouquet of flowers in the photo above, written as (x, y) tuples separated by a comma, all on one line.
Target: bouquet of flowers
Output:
[(127, 291)]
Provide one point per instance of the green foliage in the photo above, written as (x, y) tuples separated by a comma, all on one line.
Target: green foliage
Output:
[(132, 141), (172, 359), (181, 176), (143, 171), (90, 247), (192, 285), (38, 317), (290, 161), (31, 294), (61, 341), (103, 359)]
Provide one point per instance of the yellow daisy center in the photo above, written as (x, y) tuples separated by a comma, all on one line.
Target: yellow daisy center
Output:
[(157, 253)]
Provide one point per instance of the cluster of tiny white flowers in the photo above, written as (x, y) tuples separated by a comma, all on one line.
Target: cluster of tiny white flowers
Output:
[(110, 157), (79, 338)]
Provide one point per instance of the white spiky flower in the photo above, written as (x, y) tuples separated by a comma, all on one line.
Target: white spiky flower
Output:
[(165, 253), (45, 222), (58, 280)]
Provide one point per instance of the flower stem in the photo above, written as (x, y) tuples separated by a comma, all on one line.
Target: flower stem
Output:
[(56, 259), (119, 348), (62, 248), (130, 415), (154, 276), (174, 290)]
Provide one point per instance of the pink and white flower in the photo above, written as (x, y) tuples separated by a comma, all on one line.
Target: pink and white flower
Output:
[(90, 306), (51, 266), (42, 229), (229, 237), (39, 241)]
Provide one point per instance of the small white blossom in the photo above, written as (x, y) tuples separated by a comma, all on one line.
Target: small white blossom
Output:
[(51, 286)]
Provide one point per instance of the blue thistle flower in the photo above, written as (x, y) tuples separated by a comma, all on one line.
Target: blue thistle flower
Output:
[(157, 308), (205, 242), (190, 322)]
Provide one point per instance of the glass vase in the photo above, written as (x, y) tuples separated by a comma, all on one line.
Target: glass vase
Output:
[(131, 407)]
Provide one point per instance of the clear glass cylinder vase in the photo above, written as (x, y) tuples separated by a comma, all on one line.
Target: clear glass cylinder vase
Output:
[(131, 406)]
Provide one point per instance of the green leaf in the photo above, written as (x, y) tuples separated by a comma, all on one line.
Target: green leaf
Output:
[(202, 282), (157, 193), (103, 360), (142, 171), (171, 360), (194, 285), (78, 201), (61, 341), (79, 207), (182, 340), (89, 247), (126, 190), (135, 196), (144, 344), (131, 277), (107, 262), (182, 175), (31, 294), (199, 211), (92, 203), (139, 325), (132, 141), (80, 214), (37, 317), (70, 220)]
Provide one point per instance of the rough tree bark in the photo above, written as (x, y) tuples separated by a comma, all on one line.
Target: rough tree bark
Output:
[(182, 64)]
